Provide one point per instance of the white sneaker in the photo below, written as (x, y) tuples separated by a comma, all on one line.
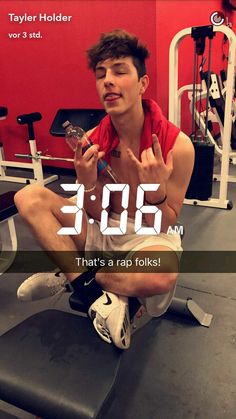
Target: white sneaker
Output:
[(42, 285), (110, 315)]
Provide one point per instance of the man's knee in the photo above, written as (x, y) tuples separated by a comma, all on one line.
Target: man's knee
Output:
[(31, 198), (170, 281), (160, 283)]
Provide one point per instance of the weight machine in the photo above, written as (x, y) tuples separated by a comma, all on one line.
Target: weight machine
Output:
[(216, 115), (35, 165), (86, 118), (175, 96)]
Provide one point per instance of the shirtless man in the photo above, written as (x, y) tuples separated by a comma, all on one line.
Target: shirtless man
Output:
[(142, 147)]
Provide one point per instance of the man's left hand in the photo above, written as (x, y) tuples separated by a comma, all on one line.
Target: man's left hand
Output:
[(152, 168)]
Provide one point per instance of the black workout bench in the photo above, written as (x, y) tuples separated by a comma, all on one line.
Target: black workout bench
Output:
[(55, 366), (8, 238), (7, 206)]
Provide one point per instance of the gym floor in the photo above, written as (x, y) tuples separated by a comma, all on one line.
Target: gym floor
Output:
[(174, 369)]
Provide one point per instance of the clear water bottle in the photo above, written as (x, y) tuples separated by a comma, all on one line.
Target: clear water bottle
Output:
[(75, 134)]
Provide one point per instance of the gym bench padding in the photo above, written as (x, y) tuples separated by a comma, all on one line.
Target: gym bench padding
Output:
[(7, 206), (85, 118), (55, 366), (8, 237)]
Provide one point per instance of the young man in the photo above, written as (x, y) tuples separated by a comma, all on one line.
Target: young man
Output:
[(142, 147)]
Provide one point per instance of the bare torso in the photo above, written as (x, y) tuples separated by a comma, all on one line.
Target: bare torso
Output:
[(126, 173)]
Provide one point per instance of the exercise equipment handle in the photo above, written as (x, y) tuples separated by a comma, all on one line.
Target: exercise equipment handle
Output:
[(29, 119)]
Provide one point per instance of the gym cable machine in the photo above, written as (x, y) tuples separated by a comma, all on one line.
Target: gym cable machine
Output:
[(200, 188)]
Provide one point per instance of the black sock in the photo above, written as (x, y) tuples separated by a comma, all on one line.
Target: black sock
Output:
[(89, 291), (87, 288), (134, 306)]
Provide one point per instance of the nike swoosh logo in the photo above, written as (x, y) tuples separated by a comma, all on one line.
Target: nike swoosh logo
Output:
[(108, 300), (58, 274), (87, 283)]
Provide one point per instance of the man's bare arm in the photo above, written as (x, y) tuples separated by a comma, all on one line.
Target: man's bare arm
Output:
[(177, 184), (93, 207)]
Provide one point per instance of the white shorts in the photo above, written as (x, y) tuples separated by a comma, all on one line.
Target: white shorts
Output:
[(96, 241)]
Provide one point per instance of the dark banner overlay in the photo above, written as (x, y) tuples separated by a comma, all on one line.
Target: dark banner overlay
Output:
[(139, 261)]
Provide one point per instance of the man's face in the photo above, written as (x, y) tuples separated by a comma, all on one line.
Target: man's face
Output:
[(118, 86)]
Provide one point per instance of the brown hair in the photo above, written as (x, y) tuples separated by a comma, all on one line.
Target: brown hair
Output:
[(116, 44)]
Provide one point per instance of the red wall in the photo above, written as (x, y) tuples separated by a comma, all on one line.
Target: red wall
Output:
[(50, 73)]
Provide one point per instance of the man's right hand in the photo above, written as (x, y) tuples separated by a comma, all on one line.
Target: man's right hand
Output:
[(86, 164)]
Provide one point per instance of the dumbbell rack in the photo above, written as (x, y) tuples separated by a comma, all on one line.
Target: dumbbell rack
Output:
[(35, 165)]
